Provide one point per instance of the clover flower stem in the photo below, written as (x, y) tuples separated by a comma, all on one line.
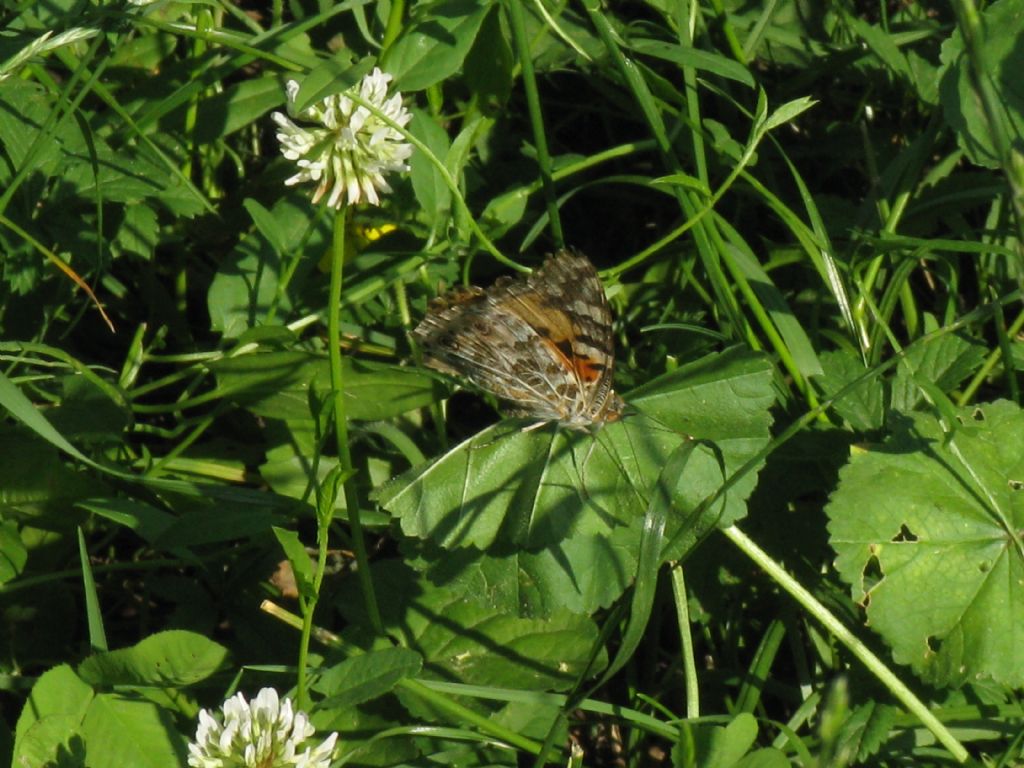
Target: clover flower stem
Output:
[(341, 424), (839, 630), (393, 26), (522, 41)]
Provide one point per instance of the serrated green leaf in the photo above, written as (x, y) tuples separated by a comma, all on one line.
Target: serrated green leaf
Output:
[(945, 361), (166, 659), (927, 533), (861, 406)]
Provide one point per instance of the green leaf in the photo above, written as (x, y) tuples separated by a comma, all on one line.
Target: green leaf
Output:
[(559, 514), (1002, 60), (465, 640), (224, 521), (246, 290), (861, 406), (788, 111), (94, 616), (688, 56), (433, 46), (926, 531), (490, 64), (238, 105), (366, 677), (277, 384), (13, 554), (22, 409), (945, 361), (147, 521), (121, 731), (712, 746), (431, 192), (165, 659), (302, 566), (51, 717)]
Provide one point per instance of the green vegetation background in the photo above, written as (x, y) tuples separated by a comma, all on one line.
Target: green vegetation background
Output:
[(804, 546)]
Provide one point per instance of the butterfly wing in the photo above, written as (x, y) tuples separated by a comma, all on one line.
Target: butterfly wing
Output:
[(579, 332), (542, 343)]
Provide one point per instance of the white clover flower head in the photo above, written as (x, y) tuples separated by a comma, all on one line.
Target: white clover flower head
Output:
[(351, 149), (263, 733)]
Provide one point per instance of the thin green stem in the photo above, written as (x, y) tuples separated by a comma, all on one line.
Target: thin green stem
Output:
[(394, 25), (465, 714), (518, 23), (1010, 159), (341, 423), (864, 654), (686, 636)]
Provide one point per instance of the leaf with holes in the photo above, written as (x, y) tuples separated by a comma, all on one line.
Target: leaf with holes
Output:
[(928, 531)]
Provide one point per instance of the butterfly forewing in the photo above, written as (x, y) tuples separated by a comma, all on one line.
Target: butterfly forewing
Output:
[(544, 343)]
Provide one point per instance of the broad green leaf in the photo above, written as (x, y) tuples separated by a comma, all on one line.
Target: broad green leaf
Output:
[(927, 532), (433, 46), (467, 641), (431, 192), (246, 291), (1002, 60), (328, 78), (166, 659), (366, 677), (51, 716), (552, 518), (945, 361), (861, 406), (490, 64), (236, 106), (209, 523), (277, 384), (121, 731)]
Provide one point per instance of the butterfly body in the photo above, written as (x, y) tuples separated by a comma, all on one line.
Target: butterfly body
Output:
[(542, 343)]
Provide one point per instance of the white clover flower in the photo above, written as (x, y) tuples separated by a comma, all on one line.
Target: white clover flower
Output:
[(262, 734), (351, 149)]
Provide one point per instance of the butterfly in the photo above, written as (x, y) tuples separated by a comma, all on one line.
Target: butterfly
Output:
[(541, 343)]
